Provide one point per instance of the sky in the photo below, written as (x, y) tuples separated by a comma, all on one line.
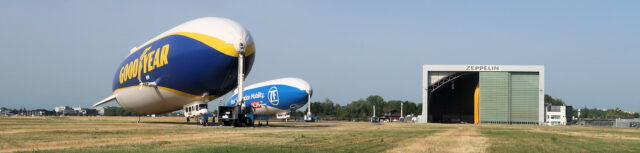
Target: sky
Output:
[(55, 53)]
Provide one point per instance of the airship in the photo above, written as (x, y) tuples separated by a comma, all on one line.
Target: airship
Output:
[(279, 96), (186, 66)]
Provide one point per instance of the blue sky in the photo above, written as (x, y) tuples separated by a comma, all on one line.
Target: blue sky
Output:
[(66, 52)]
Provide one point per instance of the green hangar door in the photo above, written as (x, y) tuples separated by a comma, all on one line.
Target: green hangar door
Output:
[(524, 97), (508, 97), (494, 97)]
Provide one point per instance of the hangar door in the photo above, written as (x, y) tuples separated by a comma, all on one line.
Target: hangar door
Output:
[(508, 97), (524, 97), (494, 97)]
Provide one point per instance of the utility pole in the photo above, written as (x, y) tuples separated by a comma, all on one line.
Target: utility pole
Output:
[(401, 113), (374, 111)]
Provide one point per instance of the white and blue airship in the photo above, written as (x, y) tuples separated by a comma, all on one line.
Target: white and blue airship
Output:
[(279, 96), (184, 67)]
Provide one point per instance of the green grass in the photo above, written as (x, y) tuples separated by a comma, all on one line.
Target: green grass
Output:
[(121, 134), (599, 130), (295, 141), (521, 140)]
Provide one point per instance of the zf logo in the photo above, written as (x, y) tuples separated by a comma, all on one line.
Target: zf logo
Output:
[(273, 96)]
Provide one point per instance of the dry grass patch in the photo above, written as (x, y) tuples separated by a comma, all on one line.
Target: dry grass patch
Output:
[(463, 138)]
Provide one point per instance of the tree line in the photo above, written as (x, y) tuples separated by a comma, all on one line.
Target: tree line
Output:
[(119, 111), (592, 112), (602, 114), (360, 110)]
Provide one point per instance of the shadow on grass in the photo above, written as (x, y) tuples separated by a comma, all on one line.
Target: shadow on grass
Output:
[(169, 122), (257, 124)]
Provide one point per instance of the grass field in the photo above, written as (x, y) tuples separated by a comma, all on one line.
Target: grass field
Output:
[(171, 134)]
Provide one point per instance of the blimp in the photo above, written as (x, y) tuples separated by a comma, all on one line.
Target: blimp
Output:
[(184, 67), (279, 97), (275, 96)]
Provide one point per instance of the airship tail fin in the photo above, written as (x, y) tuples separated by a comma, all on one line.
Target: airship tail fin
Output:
[(106, 100)]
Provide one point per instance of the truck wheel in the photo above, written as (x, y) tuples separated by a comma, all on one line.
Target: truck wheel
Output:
[(187, 120)]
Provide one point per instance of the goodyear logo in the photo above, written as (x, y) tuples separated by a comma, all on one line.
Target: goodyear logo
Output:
[(147, 62)]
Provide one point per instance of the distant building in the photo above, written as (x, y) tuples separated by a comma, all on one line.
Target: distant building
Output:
[(5, 112), (36, 112), (392, 115), (80, 110), (627, 123), (60, 109), (620, 117), (64, 110), (570, 118), (100, 110), (555, 115), (597, 122)]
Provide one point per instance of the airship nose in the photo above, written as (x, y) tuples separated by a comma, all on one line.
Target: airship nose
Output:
[(232, 36), (300, 84), (304, 85)]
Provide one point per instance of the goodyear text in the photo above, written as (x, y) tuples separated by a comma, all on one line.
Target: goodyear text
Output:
[(147, 62)]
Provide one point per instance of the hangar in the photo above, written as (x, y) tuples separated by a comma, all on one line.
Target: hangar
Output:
[(502, 94)]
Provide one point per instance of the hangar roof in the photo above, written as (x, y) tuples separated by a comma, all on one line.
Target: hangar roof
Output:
[(477, 68)]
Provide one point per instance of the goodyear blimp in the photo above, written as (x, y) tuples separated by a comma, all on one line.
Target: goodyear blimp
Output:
[(279, 96), (188, 65)]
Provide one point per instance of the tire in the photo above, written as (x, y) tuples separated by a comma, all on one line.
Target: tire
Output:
[(187, 120)]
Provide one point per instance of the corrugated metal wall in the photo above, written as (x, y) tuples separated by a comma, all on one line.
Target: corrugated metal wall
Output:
[(509, 97), (494, 97), (524, 97)]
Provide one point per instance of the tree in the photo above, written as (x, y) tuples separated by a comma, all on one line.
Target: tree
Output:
[(411, 108), (599, 113), (118, 111), (361, 109), (92, 112), (323, 109), (553, 101)]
